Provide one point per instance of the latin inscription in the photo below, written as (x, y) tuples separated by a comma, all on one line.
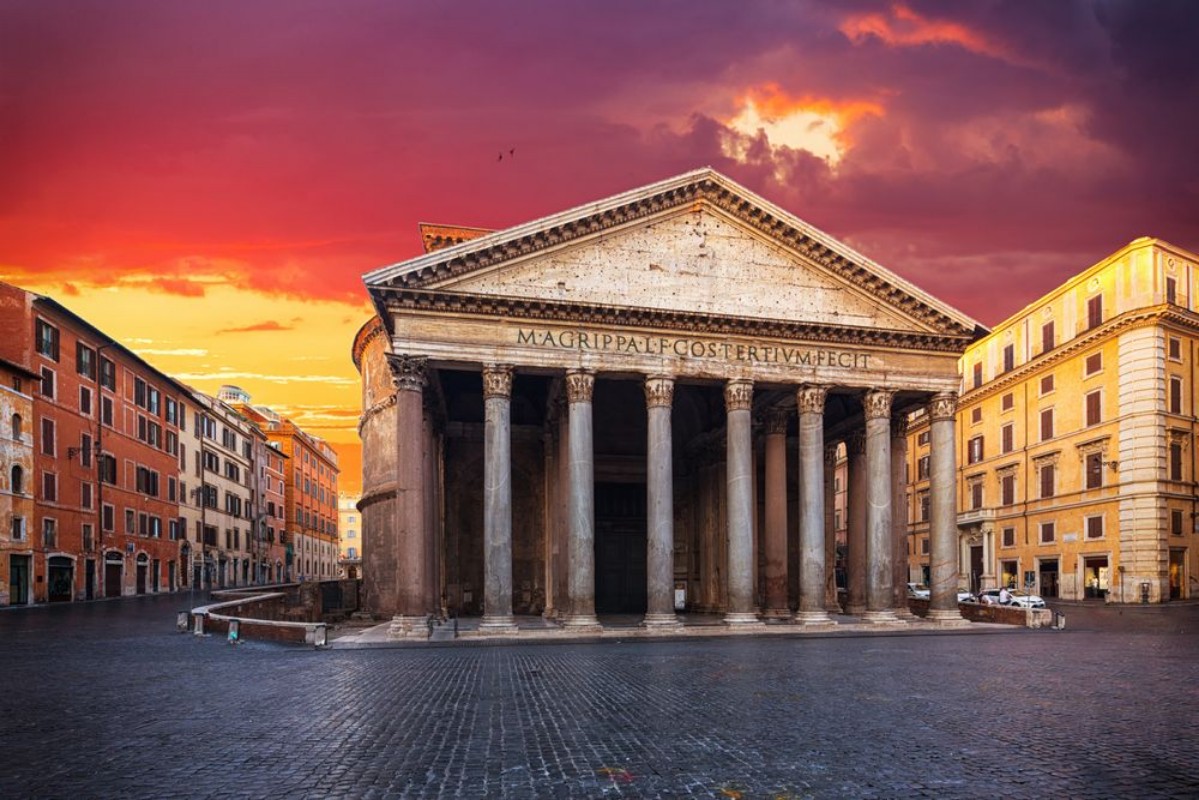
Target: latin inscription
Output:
[(683, 347)]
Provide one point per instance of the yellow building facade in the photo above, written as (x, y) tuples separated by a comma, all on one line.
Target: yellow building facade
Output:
[(1076, 431)]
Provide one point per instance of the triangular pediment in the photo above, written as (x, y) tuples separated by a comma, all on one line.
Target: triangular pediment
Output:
[(698, 244)]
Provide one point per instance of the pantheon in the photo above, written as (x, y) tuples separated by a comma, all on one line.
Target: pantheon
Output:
[(633, 407)]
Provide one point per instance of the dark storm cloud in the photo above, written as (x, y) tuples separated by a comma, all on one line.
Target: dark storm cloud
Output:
[(290, 147)]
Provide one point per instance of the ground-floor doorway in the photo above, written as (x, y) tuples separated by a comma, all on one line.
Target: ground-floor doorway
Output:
[(1009, 574), (60, 578), (976, 568), (143, 569), (620, 541), (1095, 575), (1048, 577), (89, 579), (113, 574), (18, 580), (1177, 560)]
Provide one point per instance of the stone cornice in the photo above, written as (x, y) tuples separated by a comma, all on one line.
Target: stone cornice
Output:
[(377, 408), (692, 322), (702, 186), (370, 330), (1138, 318)]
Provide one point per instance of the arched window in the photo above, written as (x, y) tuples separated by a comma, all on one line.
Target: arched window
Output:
[(18, 479), (16, 426)]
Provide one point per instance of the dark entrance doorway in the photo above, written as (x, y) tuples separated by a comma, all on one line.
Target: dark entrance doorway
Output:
[(60, 577), (976, 568), (89, 579), (18, 580), (620, 548), (142, 569), (112, 574), (1048, 577)]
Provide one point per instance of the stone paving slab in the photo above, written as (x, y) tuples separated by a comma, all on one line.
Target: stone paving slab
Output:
[(107, 700)]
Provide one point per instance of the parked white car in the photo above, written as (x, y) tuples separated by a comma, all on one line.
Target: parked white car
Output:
[(1018, 598)]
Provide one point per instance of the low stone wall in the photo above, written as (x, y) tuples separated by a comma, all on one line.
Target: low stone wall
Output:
[(1001, 615)]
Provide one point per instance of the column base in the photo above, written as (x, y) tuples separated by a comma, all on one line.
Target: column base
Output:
[(884, 617), (661, 621), (582, 623), (813, 619), (742, 619), (905, 613), (776, 613), (498, 626), (834, 608), (947, 619), (855, 610), (411, 626)]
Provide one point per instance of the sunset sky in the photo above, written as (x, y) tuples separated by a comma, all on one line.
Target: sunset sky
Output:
[(208, 181)]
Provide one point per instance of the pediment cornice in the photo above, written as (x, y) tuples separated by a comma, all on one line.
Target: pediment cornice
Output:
[(703, 187), (399, 299)]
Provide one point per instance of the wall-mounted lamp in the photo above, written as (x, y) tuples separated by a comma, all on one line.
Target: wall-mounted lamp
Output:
[(1115, 465)]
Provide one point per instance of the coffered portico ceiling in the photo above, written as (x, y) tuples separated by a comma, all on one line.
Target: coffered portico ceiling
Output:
[(695, 254)]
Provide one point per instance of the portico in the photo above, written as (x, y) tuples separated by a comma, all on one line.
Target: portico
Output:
[(627, 408)]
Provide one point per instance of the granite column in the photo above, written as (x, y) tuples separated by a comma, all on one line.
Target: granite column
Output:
[(776, 514), (943, 551), (880, 547), (659, 397), (497, 500), (855, 536), (810, 400), (738, 400), (580, 385)]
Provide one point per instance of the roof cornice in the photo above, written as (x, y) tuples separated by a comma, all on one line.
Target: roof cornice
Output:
[(700, 186), (1137, 318), (399, 299)]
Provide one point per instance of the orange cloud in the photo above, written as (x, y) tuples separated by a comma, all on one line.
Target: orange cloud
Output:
[(903, 27), (269, 325), (817, 125), (774, 103)]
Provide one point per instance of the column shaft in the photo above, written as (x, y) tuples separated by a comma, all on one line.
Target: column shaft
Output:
[(659, 394), (580, 385), (738, 397), (943, 556), (497, 501), (880, 549), (775, 546), (899, 514), (412, 579), (855, 512), (832, 602), (812, 587)]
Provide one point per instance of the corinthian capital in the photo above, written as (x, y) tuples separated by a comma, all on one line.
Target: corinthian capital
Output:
[(738, 394), (659, 391), (408, 372), (943, 406), (810, 399), (899, 425), (580, 384), (877, 404), (776, 420), (497, 380)]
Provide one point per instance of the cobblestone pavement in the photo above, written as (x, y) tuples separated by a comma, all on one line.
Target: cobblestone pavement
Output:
[(106, 700)]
